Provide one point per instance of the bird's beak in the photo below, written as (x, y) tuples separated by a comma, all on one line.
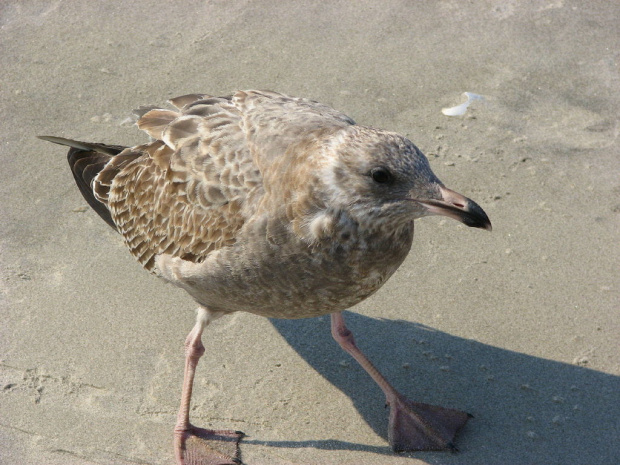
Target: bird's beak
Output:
[(457, 206)]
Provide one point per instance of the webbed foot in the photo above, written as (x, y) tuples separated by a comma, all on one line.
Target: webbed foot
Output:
[(415, 426)]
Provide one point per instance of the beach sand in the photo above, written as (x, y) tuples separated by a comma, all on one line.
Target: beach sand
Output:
[(519, 327)]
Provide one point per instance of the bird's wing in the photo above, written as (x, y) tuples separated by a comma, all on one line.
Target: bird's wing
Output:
[(185, 193), (191, 190)]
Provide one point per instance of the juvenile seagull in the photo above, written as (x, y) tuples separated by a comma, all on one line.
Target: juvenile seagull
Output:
[(273, 205)]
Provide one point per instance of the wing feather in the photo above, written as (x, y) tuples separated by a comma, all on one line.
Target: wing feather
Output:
[(183, 194), (155, 121)]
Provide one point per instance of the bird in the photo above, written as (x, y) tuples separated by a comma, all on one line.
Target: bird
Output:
[(278, 206)]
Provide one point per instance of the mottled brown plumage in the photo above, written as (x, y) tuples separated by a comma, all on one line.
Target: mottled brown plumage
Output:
[(273, 205)]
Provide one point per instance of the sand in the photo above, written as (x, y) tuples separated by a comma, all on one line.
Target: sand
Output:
[(520, 326)]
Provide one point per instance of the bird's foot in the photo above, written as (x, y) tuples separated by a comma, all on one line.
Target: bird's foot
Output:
[(415, 426), (199, 446)]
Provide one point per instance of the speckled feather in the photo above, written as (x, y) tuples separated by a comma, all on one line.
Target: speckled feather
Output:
[(261, 202), (184, 193)]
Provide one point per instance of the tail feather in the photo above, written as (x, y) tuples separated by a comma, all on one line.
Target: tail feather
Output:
[(87, 146), (86, 161)]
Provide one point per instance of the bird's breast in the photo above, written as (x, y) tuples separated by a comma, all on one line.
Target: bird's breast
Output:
[(290, 278)]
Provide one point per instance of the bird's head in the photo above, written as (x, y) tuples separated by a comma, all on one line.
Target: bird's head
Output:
[(385, 181)]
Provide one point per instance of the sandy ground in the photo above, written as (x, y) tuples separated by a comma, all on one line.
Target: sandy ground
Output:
[(519, 327)]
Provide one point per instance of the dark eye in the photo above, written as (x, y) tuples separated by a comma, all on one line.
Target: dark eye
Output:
[(381, 175)]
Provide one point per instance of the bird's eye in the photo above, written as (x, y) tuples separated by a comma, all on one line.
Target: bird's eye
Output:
[(381, 175)]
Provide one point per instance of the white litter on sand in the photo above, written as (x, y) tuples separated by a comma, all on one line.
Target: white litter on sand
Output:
[(462, 108)]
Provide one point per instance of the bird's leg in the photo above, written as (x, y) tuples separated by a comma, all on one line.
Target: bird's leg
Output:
[(412, 425), (193, 445)]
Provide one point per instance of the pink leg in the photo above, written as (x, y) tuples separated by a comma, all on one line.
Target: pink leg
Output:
[(413, 425), (193, 445)]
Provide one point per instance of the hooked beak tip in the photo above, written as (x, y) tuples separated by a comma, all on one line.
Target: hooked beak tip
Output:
[(460, 208)]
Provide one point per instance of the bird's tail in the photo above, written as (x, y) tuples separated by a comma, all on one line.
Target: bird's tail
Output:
[(86, 161)]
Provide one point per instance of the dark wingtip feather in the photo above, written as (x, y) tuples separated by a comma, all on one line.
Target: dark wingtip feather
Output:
[(87, 146), (86, 161)]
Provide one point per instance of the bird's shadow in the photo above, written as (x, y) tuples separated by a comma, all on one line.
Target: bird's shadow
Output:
[(526, 409)]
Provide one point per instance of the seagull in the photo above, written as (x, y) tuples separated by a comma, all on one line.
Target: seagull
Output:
[(274, 205)]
